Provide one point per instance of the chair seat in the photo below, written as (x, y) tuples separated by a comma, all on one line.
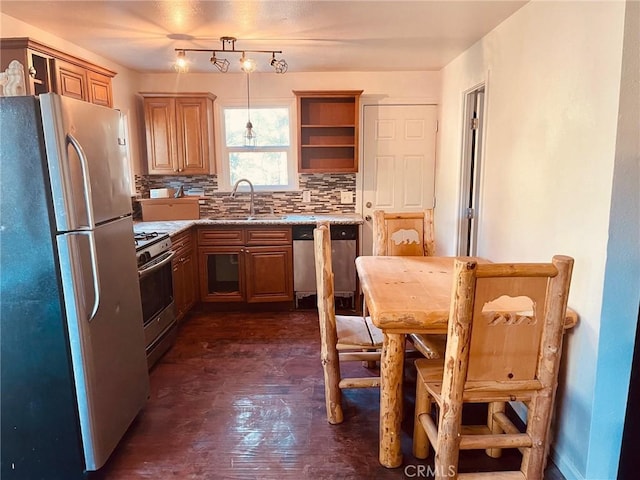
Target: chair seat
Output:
[(357, 331), (430, 373)]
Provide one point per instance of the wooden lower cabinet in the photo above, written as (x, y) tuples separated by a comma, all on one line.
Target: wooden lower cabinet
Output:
[(269, 274), (184, 274), (245, 264)]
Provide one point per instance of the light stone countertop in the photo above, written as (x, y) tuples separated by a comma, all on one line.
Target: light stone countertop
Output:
[(173, 227)]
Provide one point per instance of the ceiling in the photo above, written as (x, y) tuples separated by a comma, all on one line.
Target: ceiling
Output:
[(315, 36)]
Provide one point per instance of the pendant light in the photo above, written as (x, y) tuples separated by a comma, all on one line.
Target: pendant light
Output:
[(249, 132)]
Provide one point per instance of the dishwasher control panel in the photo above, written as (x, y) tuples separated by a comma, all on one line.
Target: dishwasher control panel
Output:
[(338, 232)]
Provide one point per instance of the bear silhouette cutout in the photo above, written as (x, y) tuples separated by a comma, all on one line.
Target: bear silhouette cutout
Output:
[(405, 237)]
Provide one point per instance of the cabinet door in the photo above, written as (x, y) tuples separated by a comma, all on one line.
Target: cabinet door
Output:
[(184, 291), (99, 89), (189, 276), (269, 273), (159, 115), (71, 80), (192, 135), (221, 274), (179, 297)]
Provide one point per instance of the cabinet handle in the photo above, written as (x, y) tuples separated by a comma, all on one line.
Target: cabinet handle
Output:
[(368, 218)]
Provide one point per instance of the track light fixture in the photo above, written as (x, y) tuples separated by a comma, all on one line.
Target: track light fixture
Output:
[(222, 64), (247, 64), (280, 66)]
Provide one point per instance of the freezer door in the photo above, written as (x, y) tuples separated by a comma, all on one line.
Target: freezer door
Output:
[(88, 167), (104, 316)]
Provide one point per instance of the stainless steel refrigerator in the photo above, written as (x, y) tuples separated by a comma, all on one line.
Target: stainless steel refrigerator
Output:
[(73, 365)]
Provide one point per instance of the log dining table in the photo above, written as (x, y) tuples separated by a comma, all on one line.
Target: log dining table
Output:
[(405, 295)]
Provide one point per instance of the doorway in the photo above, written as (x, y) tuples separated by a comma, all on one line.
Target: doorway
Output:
[(473, 127), (398, 169)]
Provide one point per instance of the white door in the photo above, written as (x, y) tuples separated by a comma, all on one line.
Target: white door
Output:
[(398, 169)]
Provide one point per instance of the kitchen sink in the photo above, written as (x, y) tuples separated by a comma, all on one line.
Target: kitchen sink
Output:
[(250, 217), (267, 217), (230, 217)]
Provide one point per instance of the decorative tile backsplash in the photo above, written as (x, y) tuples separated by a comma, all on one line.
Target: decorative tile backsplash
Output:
[(325, 194)]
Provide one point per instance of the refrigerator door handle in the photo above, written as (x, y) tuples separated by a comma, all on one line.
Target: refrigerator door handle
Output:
[(94, 270), (84, 164)]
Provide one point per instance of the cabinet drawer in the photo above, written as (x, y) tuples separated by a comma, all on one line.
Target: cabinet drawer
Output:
[(268, 236), (221, 236)]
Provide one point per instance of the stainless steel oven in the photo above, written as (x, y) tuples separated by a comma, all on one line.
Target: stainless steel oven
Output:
[(154, 256)]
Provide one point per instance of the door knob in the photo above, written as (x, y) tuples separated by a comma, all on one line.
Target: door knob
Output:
[(368, 205), (368, 218)]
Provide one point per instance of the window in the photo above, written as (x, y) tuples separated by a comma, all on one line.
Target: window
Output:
[(269, 164)]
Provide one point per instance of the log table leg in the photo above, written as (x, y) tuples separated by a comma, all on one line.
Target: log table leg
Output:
[(391, 369)]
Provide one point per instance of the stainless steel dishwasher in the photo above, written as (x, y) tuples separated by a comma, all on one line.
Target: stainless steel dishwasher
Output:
[(344, 241)]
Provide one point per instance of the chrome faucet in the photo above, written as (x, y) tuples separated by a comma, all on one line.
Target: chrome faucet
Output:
[(235, 189)]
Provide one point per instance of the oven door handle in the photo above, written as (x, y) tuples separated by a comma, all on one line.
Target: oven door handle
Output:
[(162, 261)]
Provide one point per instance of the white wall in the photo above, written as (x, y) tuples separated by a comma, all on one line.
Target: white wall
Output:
[(378, 87), (621, 293), (552, 72)]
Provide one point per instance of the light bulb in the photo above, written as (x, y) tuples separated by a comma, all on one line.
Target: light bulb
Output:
[(249, 135), (181, 64), (247, 65)]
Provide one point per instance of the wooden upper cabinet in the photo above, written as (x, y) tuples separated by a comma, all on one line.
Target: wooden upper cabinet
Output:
[(179, 131), (71, 80), (50, 70), (192, 134), (159, 119), (99, 89), (328, 130)]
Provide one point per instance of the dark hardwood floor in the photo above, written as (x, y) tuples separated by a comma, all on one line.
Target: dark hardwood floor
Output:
[(241, 396)]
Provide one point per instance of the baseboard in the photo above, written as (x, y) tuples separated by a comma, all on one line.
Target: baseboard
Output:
[(568, 470)]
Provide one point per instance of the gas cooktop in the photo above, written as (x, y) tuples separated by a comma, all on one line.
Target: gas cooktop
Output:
[(144, 239), (150, 245)]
